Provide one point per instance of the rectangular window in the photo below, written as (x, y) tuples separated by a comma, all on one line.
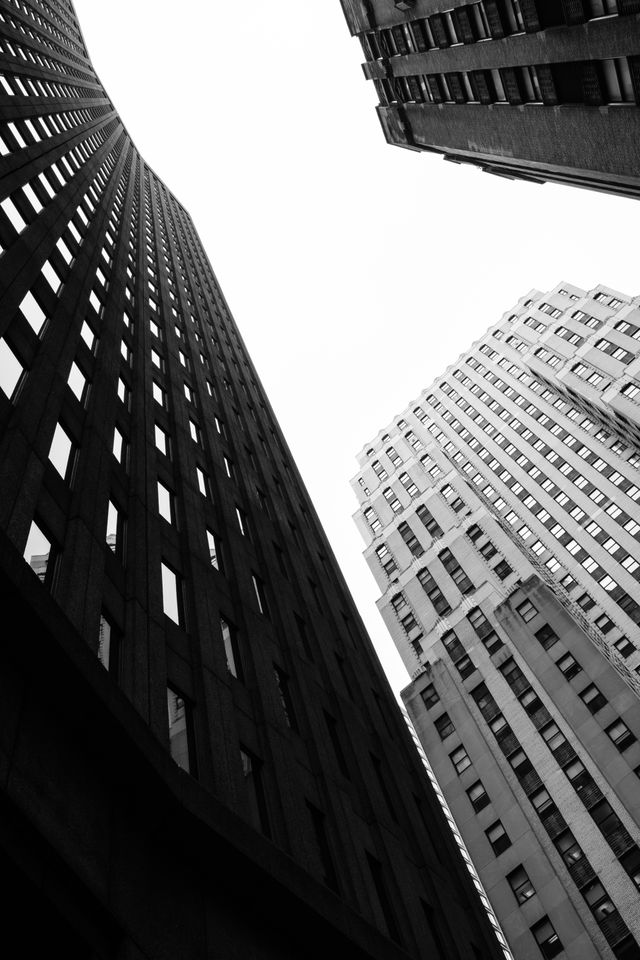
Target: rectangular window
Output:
[(242, 522), (527, 611), (115, 530), (478, 796), (460, 760), (430, 696), (171, 595), (232, 653), (252, 774), (286, 700), (444, 726), (215, 550), (547, 939), (108, 645), (161, 440), (77, 382), (520, 884), (203, 482), (546, 636), (318, 821), (11, 370), (179, 716), (620, 735), (61, 452), (261, 599), (497, 837), (166, 503), (593, 699), (39, 554), (336, 742), (569, 666), (379, 882)]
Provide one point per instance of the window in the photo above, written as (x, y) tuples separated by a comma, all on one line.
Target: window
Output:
[(593, 699), (444, 726), (34, 314), (108, 645), (203, 482), (430, 696), (166, 503), (527, 611), (179, 716), (230, 641), (546, 636), (215, 550), (497, 837), (40, 554), (161, 440), (502, 570), (386, 559), (598, 900), (620, 735), (171, 595), (61, 452), (547, 939), (380, 884), (252, 774), (261, 599), (520, 884), (11, 370), (455, 571), (318, 820), (569, 666), (286, 700), (115, 530), (624, 646), (460, 760), (429, 521), (478, 796), (410, 539)]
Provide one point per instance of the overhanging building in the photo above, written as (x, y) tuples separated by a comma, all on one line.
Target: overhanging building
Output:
[(501, 517), (526, 89), (199, 753)]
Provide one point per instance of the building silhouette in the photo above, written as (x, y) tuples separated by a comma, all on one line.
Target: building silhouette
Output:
[(200, 754), (501, 517), (525, 89)]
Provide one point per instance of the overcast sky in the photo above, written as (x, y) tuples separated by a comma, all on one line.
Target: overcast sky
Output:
[(356, 271)]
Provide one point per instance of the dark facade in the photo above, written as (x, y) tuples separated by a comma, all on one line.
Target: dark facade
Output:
[(199, 753), (525, 89)]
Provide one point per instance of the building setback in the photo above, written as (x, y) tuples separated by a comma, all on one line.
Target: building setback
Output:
[(501, 517), (199, 753), (525, 89)]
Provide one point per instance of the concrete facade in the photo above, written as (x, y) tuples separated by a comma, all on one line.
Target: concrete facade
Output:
[(531, 90), (511, 481), (199, 753)]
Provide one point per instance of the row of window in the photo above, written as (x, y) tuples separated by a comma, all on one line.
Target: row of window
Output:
[(582, 483), (478, 21), (590, 82)]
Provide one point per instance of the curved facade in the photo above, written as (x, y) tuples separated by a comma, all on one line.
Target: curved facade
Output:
[(200, 755)]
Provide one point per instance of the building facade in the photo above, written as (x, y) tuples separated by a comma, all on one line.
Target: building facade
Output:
[(501, 520), (200, 755), (525, 89)]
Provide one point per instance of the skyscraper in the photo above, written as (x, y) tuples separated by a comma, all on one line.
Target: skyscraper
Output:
[(525, 89), (200, 755), (502, 524)]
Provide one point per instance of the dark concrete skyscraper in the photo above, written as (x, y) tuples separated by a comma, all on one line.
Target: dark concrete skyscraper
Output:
[(528, 89), (199, 754)]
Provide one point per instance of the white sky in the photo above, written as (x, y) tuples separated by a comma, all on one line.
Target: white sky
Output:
[(356, 271)]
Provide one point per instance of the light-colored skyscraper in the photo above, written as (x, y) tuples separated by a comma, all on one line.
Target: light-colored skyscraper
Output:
[(502, 523)]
